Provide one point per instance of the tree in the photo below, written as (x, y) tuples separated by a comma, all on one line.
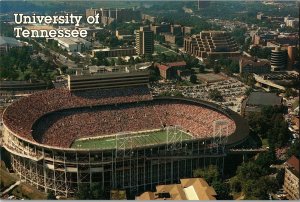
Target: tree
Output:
[(290, 92), (215, 95), (210, 174), (259, 188), (193, 78), (249, 171), (51, 196), (131, 61), (294, 149), (264, 160), (90, 192), (222, 190), (148, 57), (120, 61), (201, 69), (235, 184), (264, 53), (248, 79), (213, 177), (63, 68), (154, 74), (118, 195), (280, 177), (137, 60), (83, 192), (96, 192), (191, 61), (248, 91), (217, 69)]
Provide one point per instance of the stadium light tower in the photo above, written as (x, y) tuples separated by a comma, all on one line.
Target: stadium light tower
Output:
[(220, 135)]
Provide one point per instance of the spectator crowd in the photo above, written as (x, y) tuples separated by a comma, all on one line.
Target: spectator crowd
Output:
[(58, 117), (21, 115), (131, 117)]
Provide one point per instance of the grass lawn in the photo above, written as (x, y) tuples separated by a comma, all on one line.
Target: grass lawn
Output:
[(161, 49), (139, 139)]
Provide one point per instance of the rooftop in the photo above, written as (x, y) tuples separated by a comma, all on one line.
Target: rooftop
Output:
[(188, 189), (293, 162), (254, 62), (262, 98), (9, 40)]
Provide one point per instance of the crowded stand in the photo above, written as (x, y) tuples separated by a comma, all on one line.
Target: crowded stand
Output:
[(21, 115), (77, 123)]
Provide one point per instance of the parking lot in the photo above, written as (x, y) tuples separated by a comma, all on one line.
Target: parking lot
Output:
[(232, 90)]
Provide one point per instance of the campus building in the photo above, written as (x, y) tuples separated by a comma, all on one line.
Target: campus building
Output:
[(6, 43), (109, 15), (173, 70), (188, 189), (254, 65), (144, 41), (291, 178), (212, 44), (278, 59), (73, 44), (115, 52)]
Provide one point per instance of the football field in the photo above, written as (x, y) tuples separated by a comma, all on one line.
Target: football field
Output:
[(131, 140)]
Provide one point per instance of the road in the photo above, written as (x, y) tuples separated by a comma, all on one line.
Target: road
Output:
[(59, 57)]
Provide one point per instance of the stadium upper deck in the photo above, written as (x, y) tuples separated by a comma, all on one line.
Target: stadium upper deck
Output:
[(21, 115)]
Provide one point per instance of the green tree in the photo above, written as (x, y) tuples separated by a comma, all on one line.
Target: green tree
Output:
[(201, 69), (215, 95), (217, 69), (264, 160), (294, 149), (249, 171), (96, 192), (131, 61), (248, 91), (235, 184), (63, 68), (210, 174), (193, 78), (148, 57), (154, 74), (280, 177), (51, 196), (259, 188), (222, 190), (120, 61), (290, 92), (83, 192)]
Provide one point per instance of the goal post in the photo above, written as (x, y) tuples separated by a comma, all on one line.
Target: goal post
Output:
[(174, 137)]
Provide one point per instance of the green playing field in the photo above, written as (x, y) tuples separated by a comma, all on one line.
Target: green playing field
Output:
[(135, 140)]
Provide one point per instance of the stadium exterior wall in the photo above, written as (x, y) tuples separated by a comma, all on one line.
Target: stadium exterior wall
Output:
[(133, 169)]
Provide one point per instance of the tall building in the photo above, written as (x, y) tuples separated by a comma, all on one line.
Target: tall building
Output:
[(278, 59), (292, 51), (144, 41)]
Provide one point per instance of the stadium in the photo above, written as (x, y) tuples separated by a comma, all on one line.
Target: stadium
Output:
[(109, 129)]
